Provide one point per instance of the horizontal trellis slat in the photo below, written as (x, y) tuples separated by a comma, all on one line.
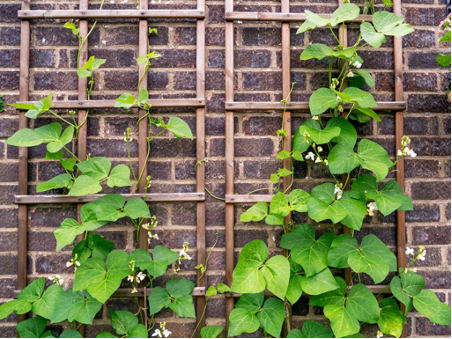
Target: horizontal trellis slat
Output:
[(111, 14), (304, 105), (284, 17)]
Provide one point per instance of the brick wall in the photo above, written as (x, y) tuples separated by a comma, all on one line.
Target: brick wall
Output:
[(257, 78)]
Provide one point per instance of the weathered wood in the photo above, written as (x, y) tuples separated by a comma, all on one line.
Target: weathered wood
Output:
[(284, 17), (304, 106), (66, 199), (111, 14), (22, 235), (157, 103)]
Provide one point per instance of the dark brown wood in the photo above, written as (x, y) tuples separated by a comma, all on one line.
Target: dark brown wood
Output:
[(247, 198), (200, 170), (229, 156), (77, 104), (303, 106), (66, 199), (400, 167), (284, 17), (110, 14), (23, 157)]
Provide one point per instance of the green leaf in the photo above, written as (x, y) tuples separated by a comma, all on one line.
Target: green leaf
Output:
[(301, 236), (139, 331), (60, 181), (122, 321), (299, 144), (44, 306), (211, 331), (391, 319), (446, 37), (211, 291), (158, 299), (311, 329), (319, 283), (183, 307), (347, 136), (54, 156), (178, 288), (427, 304), (67, 232), (320, 51), (66, 300), (31, 328), (81, 251), (390, 197), (2, 105), (119, 176), (343, 323), (412, 283), (374, 158), (271, 316), (366, 76), (390, 24), (222, 288), (362, 304), (136, 208), (278, 204), (276, 272), (85, 185), (356, 211), (335, 297), (371, 36), (298, 200), (84, 73), (399, 294), (24, 137), (106, 335), (125, 100), (143, 96), (100, 246), (97, 63), (313, 258), (356, 81), (257, 212), (251, 301), (341, 248), (242, 321), (320, 211), (96, 168), (324, 192), (85, 309), (444, 60), (294, 290), (20, 306), (321, 100), (68, 164), (342, 159), (71, 334), (345, 12), (179, 127), (367, 114), (161, 253), (50, 132), (253, 254), (361, 98)]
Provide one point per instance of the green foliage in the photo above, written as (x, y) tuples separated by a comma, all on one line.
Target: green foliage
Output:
[(2, 105), (211, 331), (36, 109), (88, 68), (311, 329), (31, 328)]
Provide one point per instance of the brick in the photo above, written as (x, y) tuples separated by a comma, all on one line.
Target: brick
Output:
[(216, 14), (385, 234), (428, 103), (420, 38), (114, 148), (215, 36), (431, 146), (8, 127), (215, 80), (42, 58), (60, 36), (415, 168), (430, 190), (252, 58), (50, 216), (10, 36), (9, 80), (9, 58), (56, 81), (423, 212), (7, 193), (185, 80), (384, 59), (261, 169), (185, 35), (258, 125), (175, 58), (423, 60), (8, 12), (123, 35), (117, 58), (425, 327), (215, 58), (262, 81), (434, 235), (424, 16), (435, 279), (261, 36), (253, 147), (121, 80)]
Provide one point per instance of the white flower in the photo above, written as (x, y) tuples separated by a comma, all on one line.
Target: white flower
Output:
[(334, 83), (157, 333), (357, 64), (318, 160), (130, 278), (166, 333), (379, 334), (350, 74), (310, 156), (134, 290), (57, 280), (338, 98), (409, 251), (77, 263), (372, 206), (421, 254), (141, 276), (145, 226), (399, 153), (68, 264), (326, 162), (319, 149), (315, 117), (338, 191), (412, 154)]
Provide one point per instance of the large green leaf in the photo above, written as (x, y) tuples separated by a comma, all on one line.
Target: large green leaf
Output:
[(335, 297), (271, 316), (356, 211), (314, 258), (161, 253), (278, 205), (158, 299), (311, 329), (96, 168), (348, 134), (412, 283), (320, 51), (50, 132), (85, 309), (125, 100), (211, 331), (324, 192), (374, 158), (301, 236), (257, 212), (253, 254), (119, 176), (371, 36), (362, 304), (391, 24), (20, 306), (342, 159), (340, 249), (343, 323), (320, 211), (399, 294), (427, 304), (299, 143), (347, 11), (178, 288), (391, 319), (319, 283), (294, 290), (366, 76), (321, 100), (25, 137), (33, 291), (137, 208), (31, 328), (276, 272), (71, 334), (242, 321), (100, 247), (444, 60), (85, 185), (361, 98), (122, 321), (60, 181), (44, 306), (179, 127), (298, 200), (251, 301), (67, 232)]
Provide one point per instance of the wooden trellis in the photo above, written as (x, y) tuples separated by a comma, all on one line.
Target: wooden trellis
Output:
[(397, 106), (82, 104)]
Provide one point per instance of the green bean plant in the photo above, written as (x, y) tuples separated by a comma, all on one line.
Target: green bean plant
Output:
[(312, 261), (444, 59), (99, 270)]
